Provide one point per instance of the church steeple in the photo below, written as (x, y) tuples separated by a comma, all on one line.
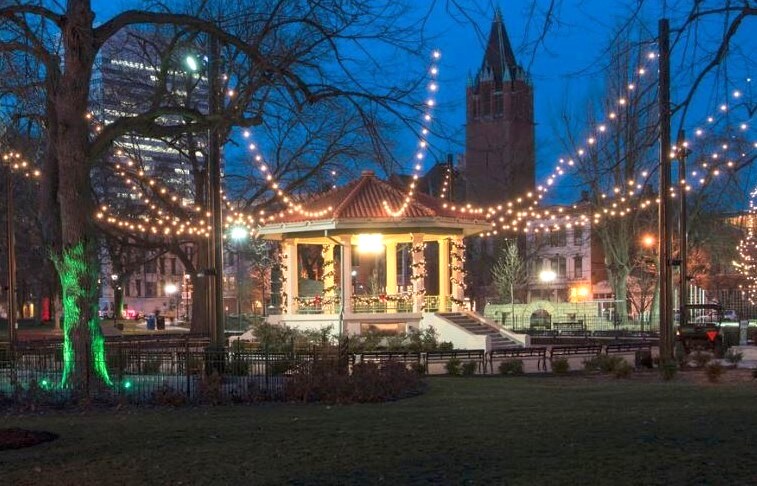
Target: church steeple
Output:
[(499, 62), (499, 129)]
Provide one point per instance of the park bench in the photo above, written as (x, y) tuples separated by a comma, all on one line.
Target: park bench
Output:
[(464, 355), (515, 353), (542, 332), (381, 357), (588, 351), (619, 348), (607, 333), (568, 326), (575, 333), (639, 349)]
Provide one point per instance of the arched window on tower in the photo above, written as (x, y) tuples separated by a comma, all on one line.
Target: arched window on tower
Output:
[(486, 102)]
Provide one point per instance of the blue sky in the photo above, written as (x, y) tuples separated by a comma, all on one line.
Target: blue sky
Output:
[(565, 66)]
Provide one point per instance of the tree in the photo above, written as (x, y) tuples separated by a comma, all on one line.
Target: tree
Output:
[(280, 52), (509, 271)]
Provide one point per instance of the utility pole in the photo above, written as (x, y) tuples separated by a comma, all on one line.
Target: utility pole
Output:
[(666, 294), (11, 242), (216, 313), (683, 289)]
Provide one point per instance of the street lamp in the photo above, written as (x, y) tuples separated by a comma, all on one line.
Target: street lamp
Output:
[(547, 277), (215, 247), (649, 243), (192, 63), (239, 234), (170, 289)]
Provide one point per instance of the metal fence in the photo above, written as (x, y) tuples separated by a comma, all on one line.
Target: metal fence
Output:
[(155, 369), (588, 324)]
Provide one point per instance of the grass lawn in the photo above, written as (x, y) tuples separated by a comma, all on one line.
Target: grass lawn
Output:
[(529, 430)]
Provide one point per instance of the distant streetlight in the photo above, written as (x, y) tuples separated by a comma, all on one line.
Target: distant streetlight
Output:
[(170, 290), (547, 276), (192, 63), (648, 241), (238, 233)]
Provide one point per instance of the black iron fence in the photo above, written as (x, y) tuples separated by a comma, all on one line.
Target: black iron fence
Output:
[(159, 369)]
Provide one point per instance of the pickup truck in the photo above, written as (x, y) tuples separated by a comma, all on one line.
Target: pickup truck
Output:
[(702, 329)]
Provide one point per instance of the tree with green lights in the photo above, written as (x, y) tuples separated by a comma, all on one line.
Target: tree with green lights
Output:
[(275, 54)]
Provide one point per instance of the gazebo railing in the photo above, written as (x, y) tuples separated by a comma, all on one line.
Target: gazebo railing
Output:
[(317, 305), (371, 304), (437, 303), (382, 304)]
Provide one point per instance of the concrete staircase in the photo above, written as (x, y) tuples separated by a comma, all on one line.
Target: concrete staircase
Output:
[(474, 326)]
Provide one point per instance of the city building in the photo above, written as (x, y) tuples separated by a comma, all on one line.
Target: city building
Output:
[(565, 263), (129, 69), (499, 161)]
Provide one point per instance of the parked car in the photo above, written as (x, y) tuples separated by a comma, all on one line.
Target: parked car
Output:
[(702, 329), (730, 315)]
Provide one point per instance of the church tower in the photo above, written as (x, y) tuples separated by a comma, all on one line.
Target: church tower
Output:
[(499, 132)]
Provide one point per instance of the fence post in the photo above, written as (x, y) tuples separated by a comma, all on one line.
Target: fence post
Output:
[(186, 366), (121, 366)]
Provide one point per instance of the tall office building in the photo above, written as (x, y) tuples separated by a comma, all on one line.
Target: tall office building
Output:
[(132, 78)]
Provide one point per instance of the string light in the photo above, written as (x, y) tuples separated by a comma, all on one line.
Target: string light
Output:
[(420, 154), (747, 250)]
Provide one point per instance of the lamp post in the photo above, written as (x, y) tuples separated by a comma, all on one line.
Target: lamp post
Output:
[(215, 311), (11, 243), (238, 234), (114, 279), (170, 290), (649, 242), (547, 277)]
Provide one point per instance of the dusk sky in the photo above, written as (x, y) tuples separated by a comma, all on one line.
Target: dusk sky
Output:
[(566, 67)]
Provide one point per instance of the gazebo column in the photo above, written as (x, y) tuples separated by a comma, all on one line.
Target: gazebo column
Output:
[(418, 273), (443, 273), (291, 285), (458, 273), (346, 274), (329, 274), (391, 268)]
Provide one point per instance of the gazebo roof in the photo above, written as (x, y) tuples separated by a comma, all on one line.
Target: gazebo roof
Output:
[(361, 204)]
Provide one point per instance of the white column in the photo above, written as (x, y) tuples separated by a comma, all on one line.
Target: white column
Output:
[(328, 268), (291, 285), (458, 272), (391, 268), (418, 272), (346, 272), (444, 272)]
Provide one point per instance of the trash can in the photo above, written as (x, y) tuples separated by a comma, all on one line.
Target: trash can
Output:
[(161, 323), (150, 323)]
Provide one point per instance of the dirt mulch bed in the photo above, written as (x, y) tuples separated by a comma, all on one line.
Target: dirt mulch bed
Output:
[(18, 438)]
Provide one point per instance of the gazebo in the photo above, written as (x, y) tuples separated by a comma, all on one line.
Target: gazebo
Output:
[(376, 258)]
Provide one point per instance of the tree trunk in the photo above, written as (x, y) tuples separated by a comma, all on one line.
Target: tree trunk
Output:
[(654, 312), (118, 300), (200, 323), (619, 283), (77, 262)]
